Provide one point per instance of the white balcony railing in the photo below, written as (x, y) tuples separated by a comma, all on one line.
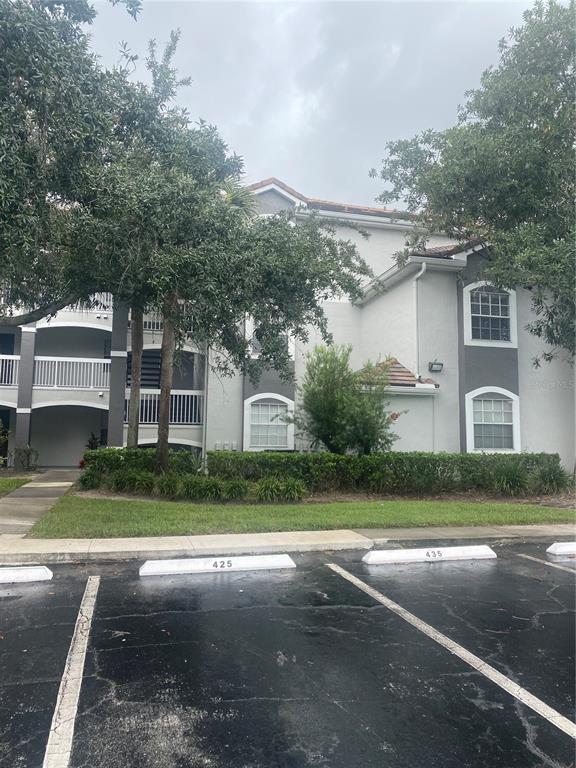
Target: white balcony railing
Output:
[(9, 365), (185, 407), (71, 373)]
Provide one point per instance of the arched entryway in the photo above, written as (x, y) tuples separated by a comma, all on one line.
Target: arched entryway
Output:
[(60, 433)]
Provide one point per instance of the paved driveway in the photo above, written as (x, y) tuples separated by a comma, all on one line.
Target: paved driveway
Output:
[(297, 668)]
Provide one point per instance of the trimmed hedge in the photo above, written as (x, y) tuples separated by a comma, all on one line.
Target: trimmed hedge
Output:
[(417, 473), (130, 470)]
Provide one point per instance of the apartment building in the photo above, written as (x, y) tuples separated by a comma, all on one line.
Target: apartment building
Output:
[(462, 377)]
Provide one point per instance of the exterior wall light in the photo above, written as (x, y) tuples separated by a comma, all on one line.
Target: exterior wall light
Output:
[(435, 367)]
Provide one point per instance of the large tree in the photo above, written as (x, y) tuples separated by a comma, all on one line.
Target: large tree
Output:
[(144, 204), (58, 116), (505, 174)]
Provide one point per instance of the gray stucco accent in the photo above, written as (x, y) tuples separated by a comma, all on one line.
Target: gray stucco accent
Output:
[(481, 366), (25, 382), (118, 375), (487, 366), (461, 367), (270, 381)]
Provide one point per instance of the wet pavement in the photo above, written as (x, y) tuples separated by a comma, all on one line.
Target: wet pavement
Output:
[(291, 669)]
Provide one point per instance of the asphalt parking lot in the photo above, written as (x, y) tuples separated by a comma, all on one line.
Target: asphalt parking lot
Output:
[(290, 669)]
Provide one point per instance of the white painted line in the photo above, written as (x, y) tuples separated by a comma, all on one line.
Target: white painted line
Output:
[(59, 746), (428, 555), (17, 574), (519, 693), (547, 562), (47, 485), (216, 565), (567, 548)]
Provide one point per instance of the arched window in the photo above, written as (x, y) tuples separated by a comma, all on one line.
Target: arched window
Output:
[(492, 420), (265, 424), (489, 316)]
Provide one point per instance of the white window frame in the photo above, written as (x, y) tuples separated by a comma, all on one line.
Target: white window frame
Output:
[(468, 340), (247, 425), (470, 397)]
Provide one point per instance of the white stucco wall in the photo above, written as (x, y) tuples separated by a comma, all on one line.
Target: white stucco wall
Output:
[(225, 411), (181, 434), (438, 340), (547, 414), (415, 427), (388, 326)]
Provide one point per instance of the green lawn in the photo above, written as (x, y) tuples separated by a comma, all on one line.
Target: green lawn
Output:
[(81, 517), (9, 484)]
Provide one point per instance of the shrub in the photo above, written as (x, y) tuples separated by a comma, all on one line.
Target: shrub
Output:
[(90, 478), (269, 489), (144, 483), (396, 472), (550, 478), (234, 490), (190, 487), (167, 485), (185, 462), (108, 460), (212, 489), (510, 479), (293, 489), (201, 487)]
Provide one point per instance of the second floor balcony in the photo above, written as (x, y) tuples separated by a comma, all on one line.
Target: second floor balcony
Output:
[(86, 381)]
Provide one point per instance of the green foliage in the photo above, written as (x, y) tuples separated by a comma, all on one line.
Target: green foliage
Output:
[(90, 478), (235, 490), (200, 487), (269, 489), (274, 489), (293, 489), (550, 478), (398, 473), (26, 458), (213, 489), (182, 462), (341, 409), (167, 486), (106, 460), (506, 173), (144, 482)]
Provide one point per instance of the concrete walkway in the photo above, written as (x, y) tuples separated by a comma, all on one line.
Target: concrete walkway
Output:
[(15, 549), (20, 509)]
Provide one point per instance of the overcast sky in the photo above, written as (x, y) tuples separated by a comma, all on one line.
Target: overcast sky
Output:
[(310, 92)]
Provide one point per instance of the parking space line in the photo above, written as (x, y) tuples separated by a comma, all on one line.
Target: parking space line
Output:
[(59, 746), (519, 693), (545, 562)]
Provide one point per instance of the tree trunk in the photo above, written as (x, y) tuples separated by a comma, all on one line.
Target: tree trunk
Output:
[(137, 337), (168, 343)]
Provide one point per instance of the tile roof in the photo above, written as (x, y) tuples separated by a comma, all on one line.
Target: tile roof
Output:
[(326, 205), (400, 376), (447, 251)]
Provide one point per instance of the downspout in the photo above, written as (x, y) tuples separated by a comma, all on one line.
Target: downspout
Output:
[(415, 285), (205, 412)]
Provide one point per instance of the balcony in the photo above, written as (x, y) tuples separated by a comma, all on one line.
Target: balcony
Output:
[(71, 373), (83, 381), (9, 366), (186, 407)]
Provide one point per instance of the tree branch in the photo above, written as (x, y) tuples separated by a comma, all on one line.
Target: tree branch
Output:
[(37, 314)]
